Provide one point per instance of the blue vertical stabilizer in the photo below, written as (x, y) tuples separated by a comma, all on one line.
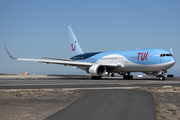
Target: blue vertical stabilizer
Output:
[(75, 47)]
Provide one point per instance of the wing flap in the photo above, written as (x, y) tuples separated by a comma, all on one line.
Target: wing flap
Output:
[(56, 59), (71, 63)]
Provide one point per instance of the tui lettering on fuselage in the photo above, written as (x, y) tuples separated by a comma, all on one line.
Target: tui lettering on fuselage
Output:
[(142, 55)]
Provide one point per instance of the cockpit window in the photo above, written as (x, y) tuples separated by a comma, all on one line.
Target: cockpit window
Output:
[(163, 55)]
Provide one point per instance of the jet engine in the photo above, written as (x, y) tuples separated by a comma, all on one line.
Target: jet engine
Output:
[(97, 70)]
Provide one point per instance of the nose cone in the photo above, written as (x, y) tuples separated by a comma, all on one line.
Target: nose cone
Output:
[(173, 60)]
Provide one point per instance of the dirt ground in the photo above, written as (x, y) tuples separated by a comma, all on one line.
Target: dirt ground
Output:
[(34, 104), (167, 102), (37, 104)]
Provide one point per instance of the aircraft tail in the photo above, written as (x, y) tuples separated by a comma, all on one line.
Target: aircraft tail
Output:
[(75, 47), (26, 73)]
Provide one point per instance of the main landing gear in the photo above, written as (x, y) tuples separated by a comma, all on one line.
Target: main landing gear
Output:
[(112, 75), (96, 77), (127, 76)]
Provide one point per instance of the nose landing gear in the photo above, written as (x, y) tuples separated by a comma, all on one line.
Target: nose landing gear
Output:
[(161, 76)]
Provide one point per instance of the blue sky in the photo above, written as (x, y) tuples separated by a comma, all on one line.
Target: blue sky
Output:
[(31, 29)]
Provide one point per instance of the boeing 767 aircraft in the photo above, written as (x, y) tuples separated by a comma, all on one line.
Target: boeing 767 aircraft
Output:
[(150, 61)]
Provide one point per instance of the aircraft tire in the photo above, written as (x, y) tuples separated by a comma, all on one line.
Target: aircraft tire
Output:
[(162, 78), (96, 77), (131, 77), (126, 77), (112, 75)]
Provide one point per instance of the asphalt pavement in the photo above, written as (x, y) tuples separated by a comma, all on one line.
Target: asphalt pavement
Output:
[(110, 98), (110, 105)]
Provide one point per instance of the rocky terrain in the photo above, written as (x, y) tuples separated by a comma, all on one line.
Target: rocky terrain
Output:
[(167, 102), (37, 104), (34, 104)]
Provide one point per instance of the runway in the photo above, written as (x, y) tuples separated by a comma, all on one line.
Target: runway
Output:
[(108, 98), (36, 82)]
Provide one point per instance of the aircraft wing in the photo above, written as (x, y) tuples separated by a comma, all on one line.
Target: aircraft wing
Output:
[(54, 61), (62, 61), (71, 63)]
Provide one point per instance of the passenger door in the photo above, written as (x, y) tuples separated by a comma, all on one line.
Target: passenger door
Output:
[(151, 57)]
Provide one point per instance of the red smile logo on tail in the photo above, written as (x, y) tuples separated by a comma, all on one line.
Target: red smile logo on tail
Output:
[(74, 47)]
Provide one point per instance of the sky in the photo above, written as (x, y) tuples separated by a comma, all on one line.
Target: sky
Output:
[(38, 28)]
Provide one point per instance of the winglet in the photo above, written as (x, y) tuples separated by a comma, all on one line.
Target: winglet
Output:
[(9, 53)]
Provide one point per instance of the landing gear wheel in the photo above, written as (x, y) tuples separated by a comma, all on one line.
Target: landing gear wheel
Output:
[(112, 75), (124, 77), (162, 78), (96, 77), (130, 77)]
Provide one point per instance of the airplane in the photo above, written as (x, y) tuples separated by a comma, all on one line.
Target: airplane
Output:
[(26, 73), (153, 62)]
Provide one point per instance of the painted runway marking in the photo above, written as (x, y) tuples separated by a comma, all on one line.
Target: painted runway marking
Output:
[(125, 84), (101, 88)]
